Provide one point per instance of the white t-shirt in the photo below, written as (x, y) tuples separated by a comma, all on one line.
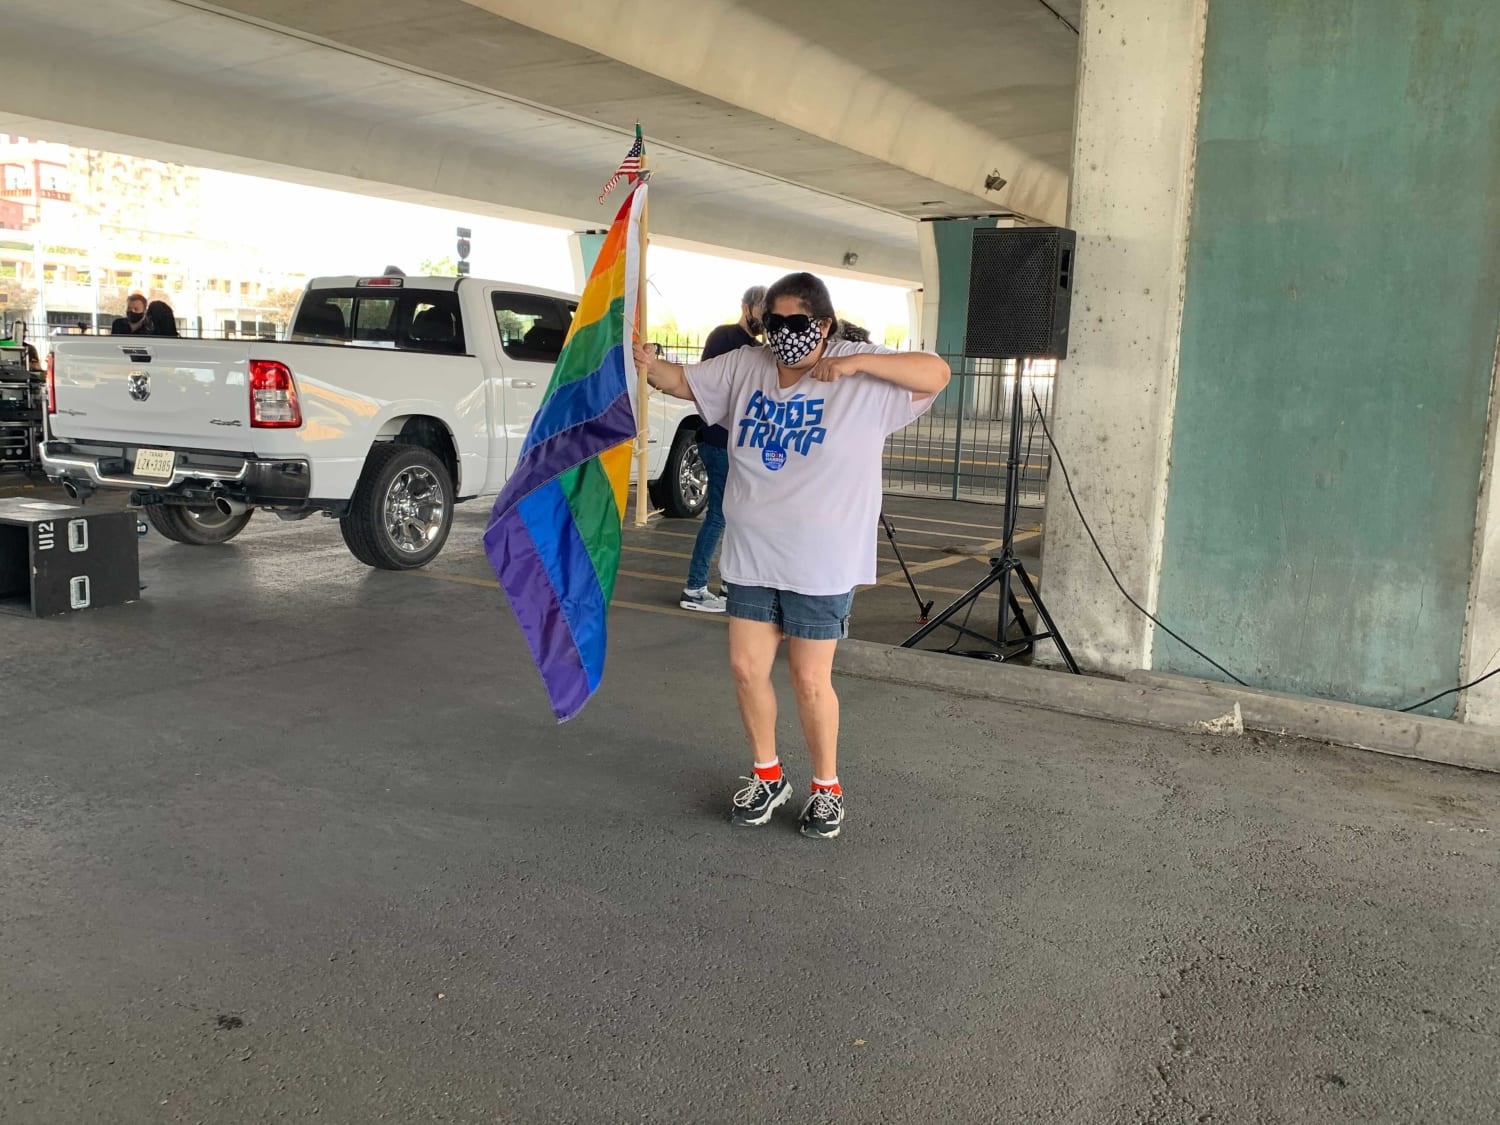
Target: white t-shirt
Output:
[(802, 504)]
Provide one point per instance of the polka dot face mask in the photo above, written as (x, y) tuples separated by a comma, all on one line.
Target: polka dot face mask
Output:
[(792, 338)]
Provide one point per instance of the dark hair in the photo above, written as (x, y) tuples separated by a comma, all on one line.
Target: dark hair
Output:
[(811, 292), (854, 333), (163, 320), (755, 298), (141, 297)]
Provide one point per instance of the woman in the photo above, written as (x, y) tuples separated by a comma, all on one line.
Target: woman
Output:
[(807, 415), (161, 318)]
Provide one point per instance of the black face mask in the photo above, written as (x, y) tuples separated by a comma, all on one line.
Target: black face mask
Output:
[(135, 317)]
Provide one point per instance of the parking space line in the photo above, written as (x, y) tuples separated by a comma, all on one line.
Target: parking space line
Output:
[(491, 584), (997, 465), (655, 551), (953, 523), (939, 534)]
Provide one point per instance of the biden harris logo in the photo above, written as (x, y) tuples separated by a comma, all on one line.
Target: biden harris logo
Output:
[(780, 429)]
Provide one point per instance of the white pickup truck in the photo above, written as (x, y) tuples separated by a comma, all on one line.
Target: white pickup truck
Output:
[(390, 400)]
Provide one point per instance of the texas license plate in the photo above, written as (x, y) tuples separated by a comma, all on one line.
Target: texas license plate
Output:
[(156, 463)]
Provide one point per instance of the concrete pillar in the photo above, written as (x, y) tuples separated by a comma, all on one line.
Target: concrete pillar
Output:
[(1132, 172), (914, 312), (1481, 704), (583, 249)]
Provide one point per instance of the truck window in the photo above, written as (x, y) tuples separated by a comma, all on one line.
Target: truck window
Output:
[(531, 327), (374, 320), (424, 320)]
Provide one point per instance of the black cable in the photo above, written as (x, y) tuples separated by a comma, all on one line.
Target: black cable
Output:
[(1067, 23), (1061, 464), (1068, 481), (1450, 691)]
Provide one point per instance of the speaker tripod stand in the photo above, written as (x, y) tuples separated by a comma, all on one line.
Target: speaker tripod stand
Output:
[(923, 608), (1004, 568)]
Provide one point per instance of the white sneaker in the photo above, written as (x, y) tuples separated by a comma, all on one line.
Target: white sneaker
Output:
[(701, 600)]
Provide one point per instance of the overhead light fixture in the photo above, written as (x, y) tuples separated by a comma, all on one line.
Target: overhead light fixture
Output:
[(850, 258), (994, 182)]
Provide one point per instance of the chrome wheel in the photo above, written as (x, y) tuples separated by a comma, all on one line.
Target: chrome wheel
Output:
[(692, 477), (414, 509)]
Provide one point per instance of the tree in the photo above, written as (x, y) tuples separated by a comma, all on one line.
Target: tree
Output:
[(281, 302), (17, 300), (439, 267)]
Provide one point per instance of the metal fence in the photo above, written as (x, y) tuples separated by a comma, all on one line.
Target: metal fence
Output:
[(959, 448), (41, 336)]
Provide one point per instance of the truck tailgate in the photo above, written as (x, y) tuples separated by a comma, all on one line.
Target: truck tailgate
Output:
[(169, 392)]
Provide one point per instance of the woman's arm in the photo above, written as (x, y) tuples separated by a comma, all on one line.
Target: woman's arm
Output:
[(921, 373), (669, 378)]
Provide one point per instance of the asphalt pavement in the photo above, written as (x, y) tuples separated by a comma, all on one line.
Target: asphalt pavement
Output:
[(292, 840)]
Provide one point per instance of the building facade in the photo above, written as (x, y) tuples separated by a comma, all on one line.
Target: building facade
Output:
[(80, 230)]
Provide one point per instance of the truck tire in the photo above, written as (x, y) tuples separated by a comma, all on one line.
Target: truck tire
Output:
[(402, 508), (683, 487), (200, 525)]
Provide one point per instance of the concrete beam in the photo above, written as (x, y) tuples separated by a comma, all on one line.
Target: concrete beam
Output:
[(311, 114), (738, 54)]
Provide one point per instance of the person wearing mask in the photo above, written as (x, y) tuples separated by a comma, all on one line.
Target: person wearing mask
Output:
[(135, 321), (807, 417), (713, 449)]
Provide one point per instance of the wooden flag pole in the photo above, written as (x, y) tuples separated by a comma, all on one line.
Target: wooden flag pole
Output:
[(643, 390)]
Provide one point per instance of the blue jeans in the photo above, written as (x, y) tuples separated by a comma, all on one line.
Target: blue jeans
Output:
[(716, 461), (809, 617)]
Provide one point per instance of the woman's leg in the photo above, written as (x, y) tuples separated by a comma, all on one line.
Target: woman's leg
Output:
[(752, 652), (817, 704), (716, 462)]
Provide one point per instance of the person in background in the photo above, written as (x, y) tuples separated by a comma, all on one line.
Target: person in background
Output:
[(808, 417), (162, 319), (134, 322), (713, 448)]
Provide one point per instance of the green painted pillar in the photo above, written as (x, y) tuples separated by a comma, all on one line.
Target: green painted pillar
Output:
[(946, 246), (1337, 347)]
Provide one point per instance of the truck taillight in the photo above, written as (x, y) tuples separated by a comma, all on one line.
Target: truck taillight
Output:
[(51, 382), (273, 396)]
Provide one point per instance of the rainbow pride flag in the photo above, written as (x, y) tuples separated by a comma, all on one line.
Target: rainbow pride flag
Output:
[(554, 534)]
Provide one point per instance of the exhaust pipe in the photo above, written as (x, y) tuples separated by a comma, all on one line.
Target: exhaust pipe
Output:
[(229, 507), (77, 490)]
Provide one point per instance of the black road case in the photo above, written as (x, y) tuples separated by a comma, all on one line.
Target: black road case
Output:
[(57, 558)]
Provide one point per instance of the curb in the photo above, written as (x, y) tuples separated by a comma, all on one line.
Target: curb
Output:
[(1179, 703)]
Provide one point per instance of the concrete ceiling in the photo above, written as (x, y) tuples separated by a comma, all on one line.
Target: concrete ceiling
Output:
[(791, 132)]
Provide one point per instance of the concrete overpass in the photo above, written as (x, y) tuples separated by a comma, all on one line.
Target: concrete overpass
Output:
[(784, 131)]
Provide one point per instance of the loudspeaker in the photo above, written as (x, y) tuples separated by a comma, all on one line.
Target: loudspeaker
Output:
[(1020, 293)]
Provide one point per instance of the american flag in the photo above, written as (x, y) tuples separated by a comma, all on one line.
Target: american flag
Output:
[(630, 166)]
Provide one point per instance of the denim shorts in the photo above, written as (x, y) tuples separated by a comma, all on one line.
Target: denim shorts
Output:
[(808, 617)]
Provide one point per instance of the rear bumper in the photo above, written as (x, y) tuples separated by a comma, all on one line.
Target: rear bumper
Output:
[(198, 474)]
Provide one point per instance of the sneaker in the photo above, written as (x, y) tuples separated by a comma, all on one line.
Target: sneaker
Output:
[(823, 815), (703, 601), (754, 804)]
